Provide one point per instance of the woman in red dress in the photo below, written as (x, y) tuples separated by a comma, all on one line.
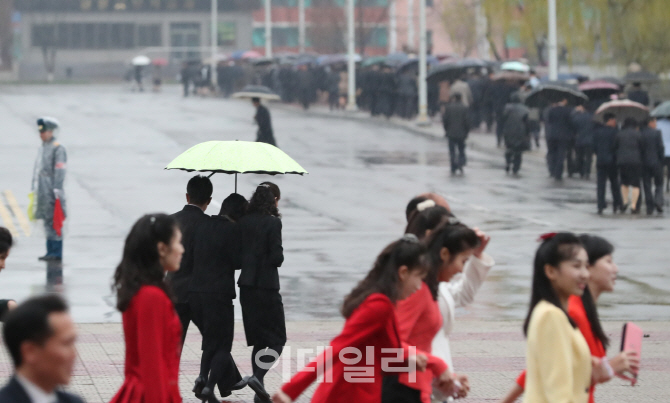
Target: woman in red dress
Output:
[(150, 324), (357, 359), (582, 310)]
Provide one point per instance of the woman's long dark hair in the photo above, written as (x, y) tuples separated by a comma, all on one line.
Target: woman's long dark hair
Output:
[(553, 250), (428, 219), (234, 207), (383, 277), (140, 264), (454, 236), (263, 200), (597, 248)]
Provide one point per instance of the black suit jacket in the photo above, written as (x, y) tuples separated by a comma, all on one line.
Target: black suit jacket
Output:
[(189, 219), (13, 392), (216, 257), (653, 150), (261, 251), (455, 121)]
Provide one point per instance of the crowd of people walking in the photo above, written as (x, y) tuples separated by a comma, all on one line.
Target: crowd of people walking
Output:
[(398, 318)]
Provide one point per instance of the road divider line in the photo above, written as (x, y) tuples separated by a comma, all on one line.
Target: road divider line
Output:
[(6, 219), (18, 213)]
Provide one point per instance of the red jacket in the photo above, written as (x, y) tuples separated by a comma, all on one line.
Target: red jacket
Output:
[(153, 344), (372, 324), (419, 320), (577, 313)]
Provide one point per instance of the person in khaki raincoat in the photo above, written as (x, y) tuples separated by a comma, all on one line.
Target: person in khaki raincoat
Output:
[(48, 178)]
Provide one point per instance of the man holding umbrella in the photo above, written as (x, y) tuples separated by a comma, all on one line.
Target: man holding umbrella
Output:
[(265, 133), (48, 178)]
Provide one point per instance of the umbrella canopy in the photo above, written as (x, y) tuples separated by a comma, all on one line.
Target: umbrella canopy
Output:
[(614, 80), (141, 60), (371, 61), (161, 61), (597, 89), (510, 75), (236, 157), (263, 61), (396, 59), (257, 91), (622, 109), (662, 111), (571, 78), (452, 70), (515, 66), (251, 54), (643, 77), (412, 65), (548, 93)]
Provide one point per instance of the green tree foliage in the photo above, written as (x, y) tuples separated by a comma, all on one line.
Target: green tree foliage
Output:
[(618, 31)]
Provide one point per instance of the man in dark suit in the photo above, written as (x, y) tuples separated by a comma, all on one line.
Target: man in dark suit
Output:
[(40, 337), (653, 154), (211, 295), (264, 121), (198, 196), (561, 135), (456, 127), (637, 94), (603, 146)]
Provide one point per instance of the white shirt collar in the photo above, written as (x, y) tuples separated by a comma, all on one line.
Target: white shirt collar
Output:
[(35, 393)]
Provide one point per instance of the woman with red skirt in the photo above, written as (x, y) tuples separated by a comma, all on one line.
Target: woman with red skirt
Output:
[(357, 360), (150, 324)]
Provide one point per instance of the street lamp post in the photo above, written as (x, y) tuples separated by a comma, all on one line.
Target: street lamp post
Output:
[(410, 24), (422, 119), (301, 26), (214, 39), (351, 63), (553, 42), (393, 27), (268, 28)]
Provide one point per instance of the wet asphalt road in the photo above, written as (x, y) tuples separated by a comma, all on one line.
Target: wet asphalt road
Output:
[(336, 219)]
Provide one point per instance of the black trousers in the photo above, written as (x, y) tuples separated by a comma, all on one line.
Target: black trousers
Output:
[(513, 158), (457, 154), (608, 172), (557, 151), (184, 312), (584, 160), (395, 392), (653, 198)]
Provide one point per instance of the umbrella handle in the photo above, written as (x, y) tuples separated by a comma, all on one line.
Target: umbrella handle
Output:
[(235, 183)]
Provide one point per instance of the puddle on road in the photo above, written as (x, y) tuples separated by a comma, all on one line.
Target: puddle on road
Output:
[(377, 157)]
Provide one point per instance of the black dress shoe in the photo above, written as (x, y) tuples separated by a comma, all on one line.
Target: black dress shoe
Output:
[(209, 396), (49, 258), (198, 387), (258, 387)]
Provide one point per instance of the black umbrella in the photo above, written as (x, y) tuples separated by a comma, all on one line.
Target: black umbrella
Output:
[(552, 92), (257, 91), (643, 77), (453, 70)]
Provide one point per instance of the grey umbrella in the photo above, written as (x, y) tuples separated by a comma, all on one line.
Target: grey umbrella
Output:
[(662, 111), (257, 91)]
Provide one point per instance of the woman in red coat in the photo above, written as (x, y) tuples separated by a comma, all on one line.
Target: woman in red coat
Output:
[(150, 324), (369, 329)]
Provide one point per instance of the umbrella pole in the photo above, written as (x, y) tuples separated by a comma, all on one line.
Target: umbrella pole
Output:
[(235, 183), (212, 174)]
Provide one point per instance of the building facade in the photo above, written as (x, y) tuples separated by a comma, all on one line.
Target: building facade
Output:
[(98, 38)]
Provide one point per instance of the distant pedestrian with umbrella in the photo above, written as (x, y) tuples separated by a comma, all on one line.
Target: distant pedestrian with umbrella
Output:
[(559, 136), (265, 134), (516, 132), (628, 149), (637, 94), (456, 123), (260, 255), (47, 186), (653, 153), (604, 136)]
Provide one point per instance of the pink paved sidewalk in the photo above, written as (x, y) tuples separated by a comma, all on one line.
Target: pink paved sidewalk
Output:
[(490, 353)]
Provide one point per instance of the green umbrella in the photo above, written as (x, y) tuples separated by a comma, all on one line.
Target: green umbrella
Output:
[(236, 157)]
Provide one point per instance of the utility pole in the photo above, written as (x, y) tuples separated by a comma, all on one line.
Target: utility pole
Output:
[(393, 27), (214, 38), (553, 42), (301, 26), (483, 46), (422, 119), (351, 63), (268, 28), (410, 25)]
